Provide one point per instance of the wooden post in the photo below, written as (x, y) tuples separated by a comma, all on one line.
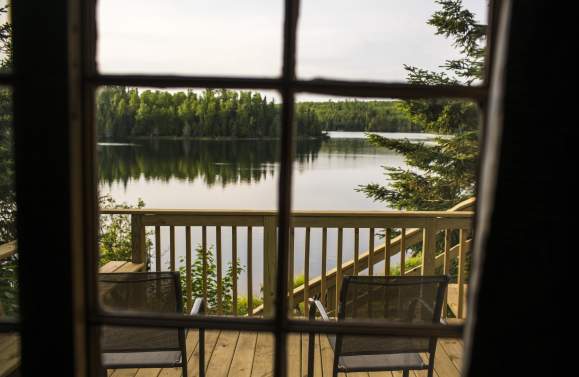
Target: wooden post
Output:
[(138, 240), (249, 271), (307, 271), (428, 249), (290, 274), (339, 265), (387, 251), (269, 264), (158, 266), (219, 268), (446, 269), (403, 252), (460, 278), (324, 259), (371, 252), (234, 267)]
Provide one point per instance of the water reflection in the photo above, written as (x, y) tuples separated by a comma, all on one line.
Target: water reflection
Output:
[(216, 162)]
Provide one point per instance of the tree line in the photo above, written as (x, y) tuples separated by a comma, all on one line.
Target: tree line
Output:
[(364, 116), (126, 112)]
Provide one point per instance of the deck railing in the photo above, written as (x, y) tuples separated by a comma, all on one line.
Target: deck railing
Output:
[(443, 237)]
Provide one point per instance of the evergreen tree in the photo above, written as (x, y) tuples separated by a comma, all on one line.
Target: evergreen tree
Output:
[(441, 174)]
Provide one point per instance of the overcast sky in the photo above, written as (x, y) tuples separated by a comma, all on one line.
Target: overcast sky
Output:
[(363, 39)]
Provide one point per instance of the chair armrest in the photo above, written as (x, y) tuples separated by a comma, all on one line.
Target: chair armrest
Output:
[(317, 306), (198, 307)]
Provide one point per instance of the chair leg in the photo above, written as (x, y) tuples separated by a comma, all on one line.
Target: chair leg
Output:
[(405, 372)]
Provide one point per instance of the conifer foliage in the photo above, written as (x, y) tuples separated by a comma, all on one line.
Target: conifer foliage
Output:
[(440, 174)]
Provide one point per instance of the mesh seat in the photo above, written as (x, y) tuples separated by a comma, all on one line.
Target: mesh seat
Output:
[(399, 299), (134, 347)]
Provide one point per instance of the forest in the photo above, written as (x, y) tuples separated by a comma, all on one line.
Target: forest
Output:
[(127, 112)]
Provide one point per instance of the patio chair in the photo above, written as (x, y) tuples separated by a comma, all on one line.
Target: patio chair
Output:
[(144, 347), (401, 299)]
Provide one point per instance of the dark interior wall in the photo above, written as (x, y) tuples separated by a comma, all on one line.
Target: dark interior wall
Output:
[(525, 294)]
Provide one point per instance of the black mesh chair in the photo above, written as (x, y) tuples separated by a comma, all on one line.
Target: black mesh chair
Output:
[(401, 299), (141, 347)]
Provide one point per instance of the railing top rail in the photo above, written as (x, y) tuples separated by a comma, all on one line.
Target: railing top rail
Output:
[(298, 213), (8, 249)]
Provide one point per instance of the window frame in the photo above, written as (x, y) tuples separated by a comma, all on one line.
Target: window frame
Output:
[(85, 79)]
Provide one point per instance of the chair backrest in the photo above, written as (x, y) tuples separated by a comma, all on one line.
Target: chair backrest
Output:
[(401, 299), (152, 292)]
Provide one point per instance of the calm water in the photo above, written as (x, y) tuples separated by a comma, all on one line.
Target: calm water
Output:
[(243, 174)]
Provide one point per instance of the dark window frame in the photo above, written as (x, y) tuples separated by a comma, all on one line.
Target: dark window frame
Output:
[(81, 30)]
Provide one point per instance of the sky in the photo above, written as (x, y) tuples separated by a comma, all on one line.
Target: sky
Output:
[(338, 39)]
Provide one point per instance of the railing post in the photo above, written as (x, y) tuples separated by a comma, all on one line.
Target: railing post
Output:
[(269, 264), (138, 239), (460, 277), (428, 249)]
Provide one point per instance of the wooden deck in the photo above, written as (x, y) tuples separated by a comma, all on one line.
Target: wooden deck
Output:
[(244, 354)]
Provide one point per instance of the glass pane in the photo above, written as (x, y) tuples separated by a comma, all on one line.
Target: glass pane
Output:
[(376, 40), (448, 356), (226, 353), (5, 37), (377, 160), (8, 248), (218, 37), (9, 353), (199, 164)]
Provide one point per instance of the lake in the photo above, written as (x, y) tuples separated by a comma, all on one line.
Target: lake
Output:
[(243, 174)]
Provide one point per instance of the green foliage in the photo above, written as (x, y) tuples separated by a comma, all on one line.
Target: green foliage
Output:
[(299, 280), (198, 278), (8, 266), (243, 304), (115, 232), (409, 263), (123, 112), (377, 116), (440, 175)]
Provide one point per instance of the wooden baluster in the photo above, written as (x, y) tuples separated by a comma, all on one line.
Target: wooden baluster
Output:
[(234, 267), (460, 278), (249, 271), (138, 240), (188, 282), (269, 264), (428, 250), (339, 265), (356, 250), (446, 269), (219, 267), (371, 253), (387, 250), (204, 255), (307, 272), (403, 252), (172, 248), (290, 264), (158, 248), (324, 257)]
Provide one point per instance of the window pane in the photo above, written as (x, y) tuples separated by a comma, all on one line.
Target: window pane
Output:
[(212, 158), (5, 37), (9, 353), (8, 248), (226, 353), (218, 37), (377, 160), (448, 355), (375, 39)]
